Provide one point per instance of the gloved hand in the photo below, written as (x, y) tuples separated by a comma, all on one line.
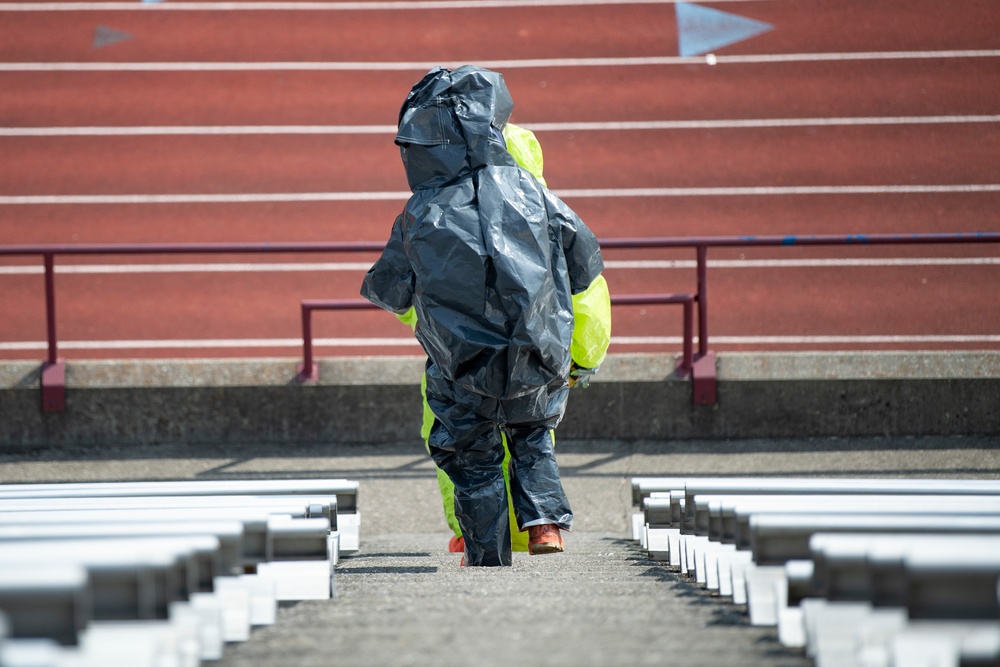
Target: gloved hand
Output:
[(580, 376)]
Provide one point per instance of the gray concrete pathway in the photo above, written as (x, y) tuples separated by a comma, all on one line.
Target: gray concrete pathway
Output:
[(403, 600)]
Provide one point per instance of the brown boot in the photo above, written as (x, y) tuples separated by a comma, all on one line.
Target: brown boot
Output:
[(544, 539)]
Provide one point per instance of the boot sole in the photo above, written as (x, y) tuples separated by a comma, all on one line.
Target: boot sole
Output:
[(546, 548)]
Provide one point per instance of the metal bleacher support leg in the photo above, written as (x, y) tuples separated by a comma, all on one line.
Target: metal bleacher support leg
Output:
[(233, 600), (731, 567), (657, 544), (791, 623), (713, 557), (762, 600), (349, 531), (298, 559), (639, 528)]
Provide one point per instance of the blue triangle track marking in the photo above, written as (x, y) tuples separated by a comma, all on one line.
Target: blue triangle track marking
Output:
[(105, 36), (703, 29)]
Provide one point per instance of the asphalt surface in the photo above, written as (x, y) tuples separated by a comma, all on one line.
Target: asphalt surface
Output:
[(404, 600)]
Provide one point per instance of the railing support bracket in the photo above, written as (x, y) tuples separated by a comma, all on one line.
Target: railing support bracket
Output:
[(53, 381), (703, 380), (307, 376)]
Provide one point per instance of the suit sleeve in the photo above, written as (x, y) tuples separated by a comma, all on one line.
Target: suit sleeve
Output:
[(389, 283), (580, 246), (591, 324)]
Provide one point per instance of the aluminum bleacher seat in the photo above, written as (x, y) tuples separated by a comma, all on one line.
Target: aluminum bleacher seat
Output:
[(163, 572), (932, 576), (341, 493), (841, 567), (779, 538)]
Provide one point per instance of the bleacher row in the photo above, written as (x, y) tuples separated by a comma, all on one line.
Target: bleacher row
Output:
[(854, 572), (161, 574)]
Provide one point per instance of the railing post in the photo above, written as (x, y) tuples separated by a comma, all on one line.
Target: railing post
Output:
[(53, 375), (703, 370), (688, 359), (702, 252), (50, 307), (308, 371)]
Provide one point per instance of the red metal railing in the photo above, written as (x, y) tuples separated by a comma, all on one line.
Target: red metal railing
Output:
[(702, 367), (53, 375), (309, 370)]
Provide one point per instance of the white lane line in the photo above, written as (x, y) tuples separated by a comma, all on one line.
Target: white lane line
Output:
[(859, 55), (751, 123), (800, 263), (423, 66), (756, 191), (383, 5), (227, 343), (171, 130), (811, 340), (190, 268), (757, 123), (21, 346), (252, 198), (70, 269), (789, 190)]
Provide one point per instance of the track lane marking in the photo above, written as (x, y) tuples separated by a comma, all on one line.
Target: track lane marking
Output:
[(423, 66), (750, 123), (172, 130), (377, 5), (244, 267), (250, 198), (813, 340), (229, 343), (189, 268), (754, 123), (754, 191), (232, 198)]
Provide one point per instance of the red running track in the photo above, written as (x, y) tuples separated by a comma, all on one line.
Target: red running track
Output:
[(927, 123)]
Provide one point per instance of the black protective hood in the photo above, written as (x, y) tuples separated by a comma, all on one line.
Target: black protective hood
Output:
[(451, 124)]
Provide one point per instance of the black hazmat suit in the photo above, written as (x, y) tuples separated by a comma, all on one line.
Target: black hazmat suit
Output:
[(489, 259)]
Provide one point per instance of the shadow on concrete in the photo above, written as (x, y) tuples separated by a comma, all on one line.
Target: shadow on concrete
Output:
[(613, 449), (930, 456)]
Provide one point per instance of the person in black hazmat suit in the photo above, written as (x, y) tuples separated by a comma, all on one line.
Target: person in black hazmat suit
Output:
[(490, 261)]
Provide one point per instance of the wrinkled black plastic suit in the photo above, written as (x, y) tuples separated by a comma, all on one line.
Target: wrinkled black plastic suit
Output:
[(489, 259)]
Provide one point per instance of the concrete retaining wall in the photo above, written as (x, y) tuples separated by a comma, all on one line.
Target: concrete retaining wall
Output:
[(634, 397)]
